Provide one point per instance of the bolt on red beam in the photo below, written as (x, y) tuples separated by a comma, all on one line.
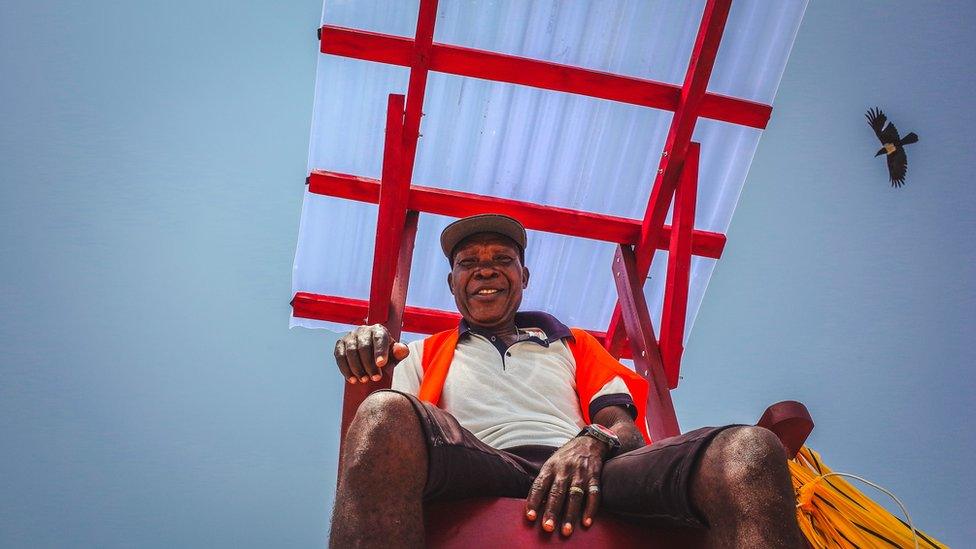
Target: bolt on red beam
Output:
[(524, 71), (682, 127), (605, 228), (391, 216), (679, 268), (661, 419)]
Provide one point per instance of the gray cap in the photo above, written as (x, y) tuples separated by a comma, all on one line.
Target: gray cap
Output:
[(484, 223)]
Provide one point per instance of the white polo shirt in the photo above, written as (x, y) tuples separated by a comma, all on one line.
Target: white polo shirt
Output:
[(515, 396)]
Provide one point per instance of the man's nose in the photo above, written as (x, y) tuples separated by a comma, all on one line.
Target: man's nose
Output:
[(486, 269)]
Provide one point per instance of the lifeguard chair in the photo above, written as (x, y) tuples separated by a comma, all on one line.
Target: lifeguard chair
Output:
[(583, 214)]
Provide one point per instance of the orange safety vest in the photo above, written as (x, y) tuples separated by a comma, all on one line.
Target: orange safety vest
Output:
[(595, 367)]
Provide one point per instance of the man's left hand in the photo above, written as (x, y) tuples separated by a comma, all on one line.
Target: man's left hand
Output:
[(568, 479)]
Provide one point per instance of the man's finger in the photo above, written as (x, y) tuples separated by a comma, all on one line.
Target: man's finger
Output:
[(381, 345), (365, 347), (352, 357), (592, 502), (341, 362), (574, 504), (400, 351), (540, 486), (554, 502)]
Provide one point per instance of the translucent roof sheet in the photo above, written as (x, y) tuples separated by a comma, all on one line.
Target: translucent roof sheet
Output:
[(535, 145)]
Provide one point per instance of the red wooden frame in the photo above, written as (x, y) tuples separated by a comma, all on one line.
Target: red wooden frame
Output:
[(391, 215), (346, 310), (686, 115), (400, 202), (606, 228), (679, 268), (499, 67)]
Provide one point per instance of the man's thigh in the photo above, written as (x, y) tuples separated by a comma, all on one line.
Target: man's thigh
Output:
[(461, 466), (654, 482)]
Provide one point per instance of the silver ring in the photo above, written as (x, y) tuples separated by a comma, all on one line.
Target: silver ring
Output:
[(576, 490), (594, 489)]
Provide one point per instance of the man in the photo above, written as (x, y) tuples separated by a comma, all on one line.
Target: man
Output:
[(517, 405)]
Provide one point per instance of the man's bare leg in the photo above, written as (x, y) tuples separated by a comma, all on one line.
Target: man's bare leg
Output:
[(743, 488), (384, 469)]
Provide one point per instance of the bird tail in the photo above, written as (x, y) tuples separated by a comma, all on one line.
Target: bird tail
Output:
[(909, 139)]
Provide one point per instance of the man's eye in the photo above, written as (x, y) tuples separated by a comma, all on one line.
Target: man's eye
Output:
[(465, 263), (503, 259)]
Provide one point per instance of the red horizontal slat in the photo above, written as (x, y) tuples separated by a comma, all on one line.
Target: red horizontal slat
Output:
[(606, 228), (346, 310), (397, 50)]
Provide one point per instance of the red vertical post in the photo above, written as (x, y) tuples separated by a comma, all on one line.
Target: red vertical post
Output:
[(354, 395), (417, 83), (402, 131), (394, 192), (398, 299), (679, 267), (676, 146), (661, 419)]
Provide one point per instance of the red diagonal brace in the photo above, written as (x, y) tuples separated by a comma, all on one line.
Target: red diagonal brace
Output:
[(679, 268), (676, 146), (661, 419)]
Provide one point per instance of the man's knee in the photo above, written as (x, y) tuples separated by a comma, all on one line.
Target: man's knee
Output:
[(383, 421), (383, 407), (743, 456)]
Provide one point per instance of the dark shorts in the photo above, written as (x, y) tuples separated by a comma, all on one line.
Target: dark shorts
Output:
[(652, 483)]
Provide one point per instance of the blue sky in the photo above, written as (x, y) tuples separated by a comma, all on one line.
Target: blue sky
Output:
[(152, 161)]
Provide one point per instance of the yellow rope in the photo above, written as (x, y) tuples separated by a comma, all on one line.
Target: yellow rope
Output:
[(834, 514)]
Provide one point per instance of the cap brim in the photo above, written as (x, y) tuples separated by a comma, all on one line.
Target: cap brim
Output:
[(504, 225)]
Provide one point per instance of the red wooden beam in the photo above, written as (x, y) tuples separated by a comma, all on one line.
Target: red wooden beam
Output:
[(353, 395), (347, 310), (661, 419), (676, 145), (395, 230), (679, 268), (606, 228), (417, 83), (398, 301), (391, 216), (397, 50)]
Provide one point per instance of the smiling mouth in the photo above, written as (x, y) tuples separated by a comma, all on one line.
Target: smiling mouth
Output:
[(488, 292)]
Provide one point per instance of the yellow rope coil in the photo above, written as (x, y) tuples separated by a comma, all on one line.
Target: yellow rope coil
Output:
[(832, 513)]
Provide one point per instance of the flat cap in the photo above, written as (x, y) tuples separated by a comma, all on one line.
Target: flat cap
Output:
[(484, 223)]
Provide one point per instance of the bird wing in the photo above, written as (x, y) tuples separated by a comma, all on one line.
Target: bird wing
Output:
[(877, 120), (897, 167), (890, 134)]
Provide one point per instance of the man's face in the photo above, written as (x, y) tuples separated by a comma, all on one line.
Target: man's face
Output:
[(487, 279)]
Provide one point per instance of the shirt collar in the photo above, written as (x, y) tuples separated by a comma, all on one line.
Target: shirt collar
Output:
[(554, 329)]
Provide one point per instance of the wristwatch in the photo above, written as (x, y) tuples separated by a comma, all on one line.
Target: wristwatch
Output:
[(602, 434)]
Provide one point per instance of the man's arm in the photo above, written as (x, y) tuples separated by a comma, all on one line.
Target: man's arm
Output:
[(571, 477), (619, 420)]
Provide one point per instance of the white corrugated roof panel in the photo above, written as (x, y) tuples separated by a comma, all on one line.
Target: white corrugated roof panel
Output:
[(535, 145)]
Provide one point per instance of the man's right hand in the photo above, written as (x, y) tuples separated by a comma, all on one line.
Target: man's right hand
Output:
[(362, 353)]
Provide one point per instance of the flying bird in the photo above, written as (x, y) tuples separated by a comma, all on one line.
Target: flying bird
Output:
[(891, 145)]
